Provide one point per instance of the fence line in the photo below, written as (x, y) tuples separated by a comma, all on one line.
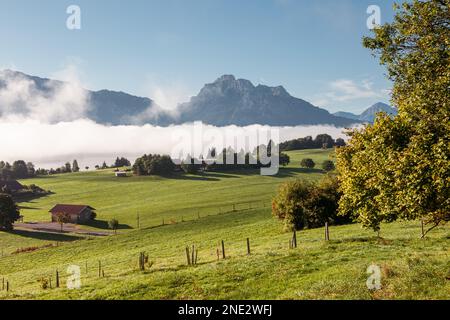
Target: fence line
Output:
[(98, 268)]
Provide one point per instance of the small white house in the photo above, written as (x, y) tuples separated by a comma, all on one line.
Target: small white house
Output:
[(121, 174)]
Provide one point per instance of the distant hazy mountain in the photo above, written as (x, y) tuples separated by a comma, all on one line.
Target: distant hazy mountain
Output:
[(227, 101), (370, 113), (237, 101), (106, 107)]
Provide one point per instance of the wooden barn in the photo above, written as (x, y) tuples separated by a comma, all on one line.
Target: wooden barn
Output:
[(77, 213)]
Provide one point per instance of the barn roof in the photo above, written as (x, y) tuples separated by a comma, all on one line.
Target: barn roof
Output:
[(70, 208)]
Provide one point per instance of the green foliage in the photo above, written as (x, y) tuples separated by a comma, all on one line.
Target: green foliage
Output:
[(321, 141), (400, 168), (328, 165), (62, 218), (67, 168), (122, 162), (308, 163), (304, 205), (19, 170), (284, 159), (9, 212), (44, 282), (153, 165), (75, 167)]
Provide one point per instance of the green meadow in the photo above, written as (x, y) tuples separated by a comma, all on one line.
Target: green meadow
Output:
[(203, 210)]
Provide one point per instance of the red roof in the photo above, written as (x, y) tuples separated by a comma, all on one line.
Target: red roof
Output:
[(70, 209)]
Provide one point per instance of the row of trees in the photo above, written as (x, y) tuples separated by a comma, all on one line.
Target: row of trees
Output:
[(23, 170), (226, 160), (18, 170), (66, 168), (324, 141), (327, 165), (122, 162)]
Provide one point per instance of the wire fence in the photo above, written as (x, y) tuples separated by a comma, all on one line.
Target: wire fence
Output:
[(107, 266)]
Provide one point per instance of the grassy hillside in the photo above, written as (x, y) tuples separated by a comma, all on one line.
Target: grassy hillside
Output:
[(156, 198), (411, 268)]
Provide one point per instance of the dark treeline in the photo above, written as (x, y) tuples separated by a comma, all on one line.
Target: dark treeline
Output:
[(18, 170), (23, 170), (121, 162), (66, 168), (324, 141), (226, 160)]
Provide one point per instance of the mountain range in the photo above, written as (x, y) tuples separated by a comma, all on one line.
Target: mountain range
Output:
[(226, 101), (370, 113)]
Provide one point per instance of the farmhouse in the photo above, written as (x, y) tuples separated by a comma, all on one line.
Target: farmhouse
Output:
[(77, 213), (121, 174), (11, 185)]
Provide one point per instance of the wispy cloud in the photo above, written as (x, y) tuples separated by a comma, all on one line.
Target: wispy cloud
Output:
[(166, 95), (348, 90), (51, 102), (343, 91)]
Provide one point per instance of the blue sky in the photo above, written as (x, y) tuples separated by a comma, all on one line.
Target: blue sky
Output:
[(168, 49)]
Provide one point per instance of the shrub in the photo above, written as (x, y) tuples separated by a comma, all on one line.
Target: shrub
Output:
[(328, 165), (44, 283), (308, 163), (304, 205)]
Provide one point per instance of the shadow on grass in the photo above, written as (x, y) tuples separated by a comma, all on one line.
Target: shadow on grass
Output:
[(291, 172), (45, 235), (27, 208), (102, 224), (197, 177), (30, 197)]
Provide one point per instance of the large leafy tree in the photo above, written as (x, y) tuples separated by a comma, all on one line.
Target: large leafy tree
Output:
[(400, 168), (9, 212)]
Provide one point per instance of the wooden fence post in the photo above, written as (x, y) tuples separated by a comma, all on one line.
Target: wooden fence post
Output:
[(188, 256), (138, 221), (294, 239), (248, 246), (3, 284), (327, 232), (423, 229), (7, 285), (57, 279), (223, 250), (99, 268)]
